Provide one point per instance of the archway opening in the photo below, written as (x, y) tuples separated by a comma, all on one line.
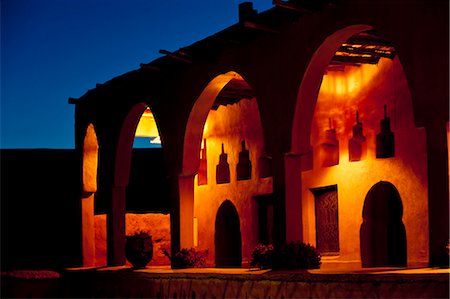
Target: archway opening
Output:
[(362, 94), (355, 129), (230, 161), (140, 195), (383, 235), (147, 133), (227, 237)]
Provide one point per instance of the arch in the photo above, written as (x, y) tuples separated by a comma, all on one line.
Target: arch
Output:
[(116, 219), (89, 173), (310, 86), (125, 144), (382, 234), (191, 149), (197, 119), (227, 236), (303, 116)]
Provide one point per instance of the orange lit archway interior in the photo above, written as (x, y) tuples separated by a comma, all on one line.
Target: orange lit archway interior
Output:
[(352, 153), (233, 166)]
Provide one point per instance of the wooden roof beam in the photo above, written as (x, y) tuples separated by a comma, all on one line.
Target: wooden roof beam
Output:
[(289, 6), (253, 25), (368, 41), (147, 66), (371, 51), (175, 56)]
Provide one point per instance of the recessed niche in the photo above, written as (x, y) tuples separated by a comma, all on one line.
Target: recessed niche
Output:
[(385, 139), (244, 166), (357, 144), (203, 168), (330, 147), (382, 233), (223, 168)]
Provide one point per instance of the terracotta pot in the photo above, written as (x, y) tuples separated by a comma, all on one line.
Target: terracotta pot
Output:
[(139, 250)]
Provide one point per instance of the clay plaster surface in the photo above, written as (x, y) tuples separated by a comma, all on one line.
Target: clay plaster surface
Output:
[(230, 125), (367, 89)]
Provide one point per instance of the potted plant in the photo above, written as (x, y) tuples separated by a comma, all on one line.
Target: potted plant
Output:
[(139, 249)]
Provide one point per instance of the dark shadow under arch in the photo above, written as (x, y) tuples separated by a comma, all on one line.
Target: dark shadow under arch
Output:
[(383, 235), (227, 237)]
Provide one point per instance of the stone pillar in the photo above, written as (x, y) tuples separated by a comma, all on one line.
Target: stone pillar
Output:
[(438, 194), (279, 204), (88, 229), (294, 224), (116, 227), (186, 187), (174, 215)]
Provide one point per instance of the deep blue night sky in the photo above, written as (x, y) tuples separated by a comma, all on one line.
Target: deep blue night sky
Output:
[(55, 49)]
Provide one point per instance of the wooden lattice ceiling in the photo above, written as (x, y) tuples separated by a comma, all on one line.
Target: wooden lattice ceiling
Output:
[(233, 92), (363, 48)]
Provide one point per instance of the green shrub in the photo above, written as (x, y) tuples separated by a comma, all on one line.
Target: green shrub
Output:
[(295, 255), (262, 256)]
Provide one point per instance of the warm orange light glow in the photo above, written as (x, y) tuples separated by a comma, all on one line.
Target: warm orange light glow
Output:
[(352, 54), (195, 231), (205, 128), (147, 126), (366, 89), (197, 119), (100, 240), (351, 80), (230, 125), (90, 160)]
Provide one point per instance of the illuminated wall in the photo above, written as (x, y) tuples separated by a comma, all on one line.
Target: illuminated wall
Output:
[(157, 224), (366, 89), (230, 125)]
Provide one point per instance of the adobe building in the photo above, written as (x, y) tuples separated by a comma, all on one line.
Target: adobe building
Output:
[(317, 121)]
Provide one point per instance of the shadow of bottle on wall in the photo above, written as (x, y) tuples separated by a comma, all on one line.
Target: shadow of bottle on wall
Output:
[(223, 168), (244, 166)]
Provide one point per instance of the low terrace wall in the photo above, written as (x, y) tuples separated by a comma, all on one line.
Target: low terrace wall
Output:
[(128, 283)]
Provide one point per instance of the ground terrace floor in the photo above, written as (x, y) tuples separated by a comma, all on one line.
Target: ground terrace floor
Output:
[(163, 282)]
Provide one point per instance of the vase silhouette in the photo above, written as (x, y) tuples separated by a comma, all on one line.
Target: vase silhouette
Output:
[(139, 249)]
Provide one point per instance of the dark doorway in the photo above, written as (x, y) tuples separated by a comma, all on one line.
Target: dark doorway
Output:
[(327, 224), (227, 237), (383, 236)]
